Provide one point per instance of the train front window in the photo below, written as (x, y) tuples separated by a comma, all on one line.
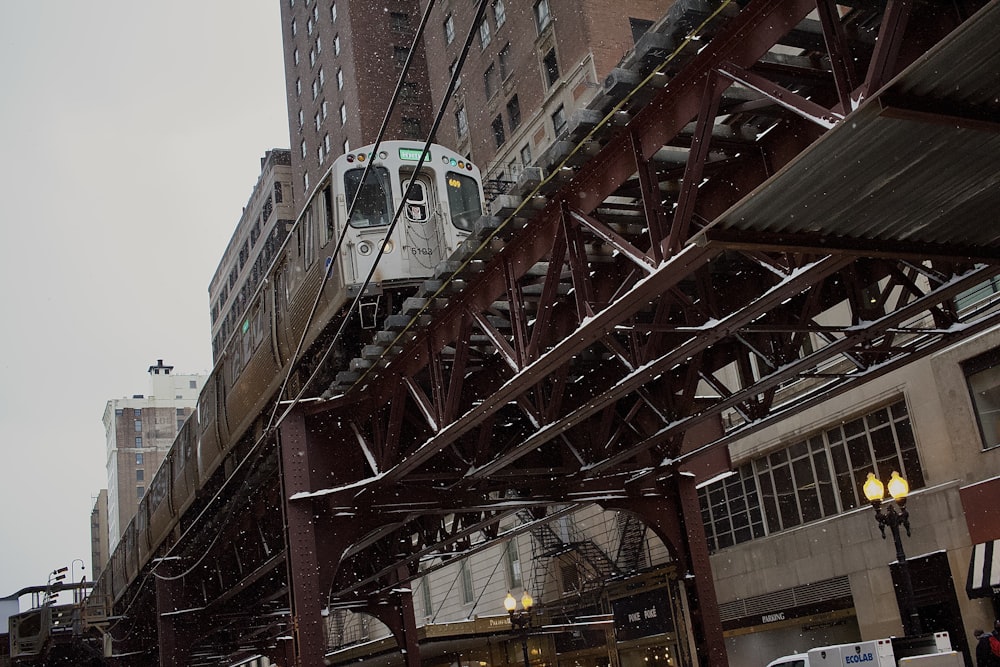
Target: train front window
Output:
[(374, 205), (463, 200), (416, 201)]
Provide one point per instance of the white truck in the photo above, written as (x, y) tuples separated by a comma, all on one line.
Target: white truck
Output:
[(931, 650)]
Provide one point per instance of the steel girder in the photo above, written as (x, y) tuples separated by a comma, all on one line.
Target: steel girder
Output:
[(604, 338), (591, 336)]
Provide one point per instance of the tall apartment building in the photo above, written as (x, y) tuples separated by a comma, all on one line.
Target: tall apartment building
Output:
[(342, 61), (530, 67), (100, 550), (263, 226), (139, 431)]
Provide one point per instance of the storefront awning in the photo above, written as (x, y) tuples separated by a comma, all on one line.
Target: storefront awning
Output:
[(984, 570)]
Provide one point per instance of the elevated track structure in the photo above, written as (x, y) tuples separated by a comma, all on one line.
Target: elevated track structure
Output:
[(771, 202)]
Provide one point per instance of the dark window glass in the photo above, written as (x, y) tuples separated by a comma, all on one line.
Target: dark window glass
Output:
[(489, 81), (499, 135), (513, 113), (551, 66), (374, 201), (463, 200), (982, 375)]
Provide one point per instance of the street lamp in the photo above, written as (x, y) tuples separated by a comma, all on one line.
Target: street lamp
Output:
[(520, 620), (899, 488), (77, 595)]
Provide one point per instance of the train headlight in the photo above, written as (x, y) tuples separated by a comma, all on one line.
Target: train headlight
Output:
[(389, 245), (365, 248)]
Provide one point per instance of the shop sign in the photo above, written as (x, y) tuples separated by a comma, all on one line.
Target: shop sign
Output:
[(643, 615)]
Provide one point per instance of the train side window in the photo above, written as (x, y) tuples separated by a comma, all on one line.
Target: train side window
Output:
[(416, 201), (325, 209), (374, 205), (463, 200), (306, 246)]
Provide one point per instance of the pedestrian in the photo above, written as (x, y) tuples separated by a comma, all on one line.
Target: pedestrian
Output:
[(983, 653), (993, 639)]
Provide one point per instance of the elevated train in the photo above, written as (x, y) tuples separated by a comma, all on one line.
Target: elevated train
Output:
[(442, 202)]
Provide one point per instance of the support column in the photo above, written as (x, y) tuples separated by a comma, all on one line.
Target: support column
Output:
[(702, 599), (173, 630), (401, 620), (676, 519), (302, 548)]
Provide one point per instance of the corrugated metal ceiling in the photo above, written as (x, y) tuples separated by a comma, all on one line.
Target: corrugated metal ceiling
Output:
[(917, 164)]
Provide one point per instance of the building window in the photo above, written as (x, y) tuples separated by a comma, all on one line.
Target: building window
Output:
[(336, 45), (499, 13), (347, 145), (461, 122), (295, 28), (322, 77), (498, 132), (399, 21), (513, 113), (137, 412), (559, 120), (317, 120), (326, 142), (119, 412), (451, 72), (504, 59), (982, 374), (449, 29), (140, 491), (319, 44), (399, 55), (551, 66), (312, 57), (484, 34), (138, 458), (526, 155), (295, 56), (333, 11), (425, 594), (408, 91), (138, 442), (302, 146), (513, 559), (489, 81), (315, 88), (298, 87), (139, 474), (541, 15), (138, 425), (468, 594), (811, 479), (301, 118), (340, 79), (305, 180), (343, 114), (324, 109), (411, 128), (309, 25)]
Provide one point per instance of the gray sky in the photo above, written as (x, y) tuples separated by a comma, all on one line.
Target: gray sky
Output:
[(131, 137)]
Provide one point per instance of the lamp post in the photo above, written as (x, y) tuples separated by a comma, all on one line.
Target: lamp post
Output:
[(520, 620), (77, 595), (899, 488)]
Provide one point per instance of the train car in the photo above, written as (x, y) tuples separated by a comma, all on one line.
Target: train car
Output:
[(291, 321)]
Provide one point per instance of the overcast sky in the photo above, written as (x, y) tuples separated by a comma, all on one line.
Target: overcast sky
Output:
[(131, 135)]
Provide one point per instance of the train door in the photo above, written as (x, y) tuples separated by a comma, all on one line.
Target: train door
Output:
[(421, 235), (369, 225)]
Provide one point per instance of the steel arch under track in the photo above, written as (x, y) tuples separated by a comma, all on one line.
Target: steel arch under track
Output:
[(747, 233)]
